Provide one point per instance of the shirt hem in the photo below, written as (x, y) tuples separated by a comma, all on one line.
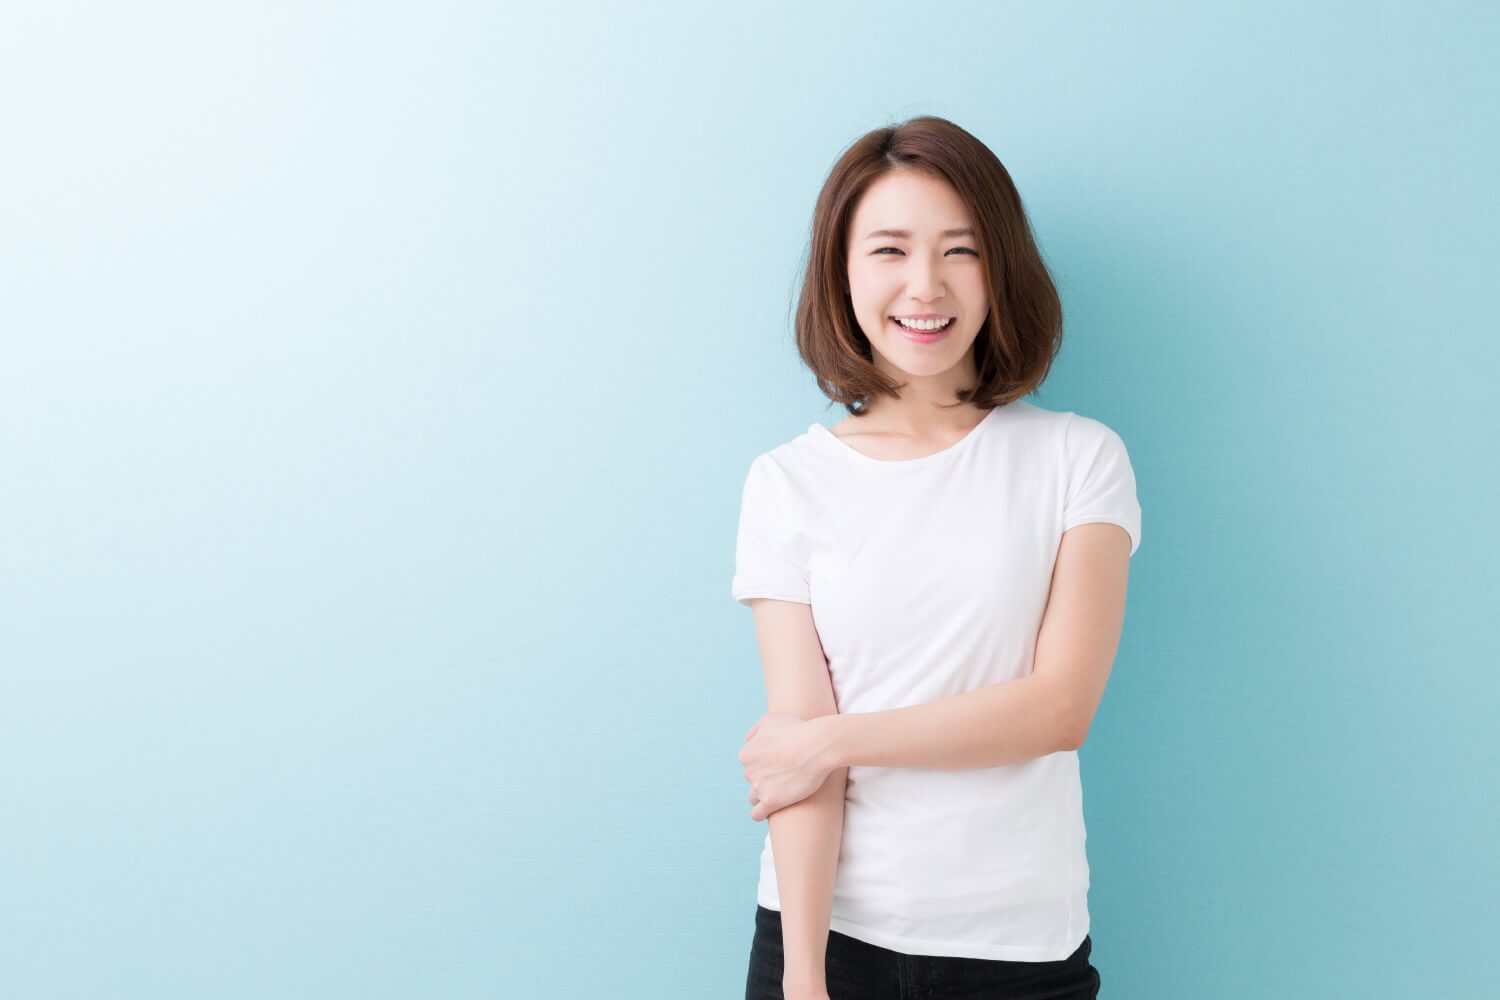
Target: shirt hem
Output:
[(953, 949), (742, 596), (1118, 519)]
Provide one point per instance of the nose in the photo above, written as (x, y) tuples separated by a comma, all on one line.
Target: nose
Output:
[(924, 283)]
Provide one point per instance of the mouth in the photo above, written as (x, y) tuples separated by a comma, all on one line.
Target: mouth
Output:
[(924, 336)]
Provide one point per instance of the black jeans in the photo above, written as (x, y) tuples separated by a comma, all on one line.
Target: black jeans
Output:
[(858, 970)]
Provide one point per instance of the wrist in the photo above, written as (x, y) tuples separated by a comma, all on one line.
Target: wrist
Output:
[(831, 749)]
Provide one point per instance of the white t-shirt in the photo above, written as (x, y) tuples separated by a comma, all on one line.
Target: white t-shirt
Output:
[(928, 578)]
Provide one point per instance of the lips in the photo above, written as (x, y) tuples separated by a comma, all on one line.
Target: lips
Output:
[(923, 336)]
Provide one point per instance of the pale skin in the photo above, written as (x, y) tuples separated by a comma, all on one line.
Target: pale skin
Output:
[(797, 754)]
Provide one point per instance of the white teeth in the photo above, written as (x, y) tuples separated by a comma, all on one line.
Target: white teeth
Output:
[(923, 324)]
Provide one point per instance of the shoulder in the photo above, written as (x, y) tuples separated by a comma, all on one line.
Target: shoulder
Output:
[(1020, 411), (1090, 433), (788, 478), (1066, 425), (1036, 425), (1065, 435), (794, 459)]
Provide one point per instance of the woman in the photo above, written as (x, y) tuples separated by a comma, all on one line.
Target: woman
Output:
[(938, 586)]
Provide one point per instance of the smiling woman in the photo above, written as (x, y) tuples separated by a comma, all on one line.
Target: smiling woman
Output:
[(938, 585)]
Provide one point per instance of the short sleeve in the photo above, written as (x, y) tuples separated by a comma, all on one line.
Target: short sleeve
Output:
[(766, 559), (1101, 482)]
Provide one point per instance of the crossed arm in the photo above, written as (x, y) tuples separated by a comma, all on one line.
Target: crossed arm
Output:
[(789, 753)]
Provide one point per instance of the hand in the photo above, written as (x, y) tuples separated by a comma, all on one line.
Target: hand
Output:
[(783, 758)]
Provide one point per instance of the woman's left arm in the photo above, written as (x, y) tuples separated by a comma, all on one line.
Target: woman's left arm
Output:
[(1046, 711)]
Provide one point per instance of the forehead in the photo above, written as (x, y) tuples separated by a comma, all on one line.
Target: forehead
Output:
[(909, 199)]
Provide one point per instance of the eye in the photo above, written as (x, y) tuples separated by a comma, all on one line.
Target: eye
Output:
[(967, 250)]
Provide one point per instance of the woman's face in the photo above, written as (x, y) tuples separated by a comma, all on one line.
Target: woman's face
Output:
[(912, 255)]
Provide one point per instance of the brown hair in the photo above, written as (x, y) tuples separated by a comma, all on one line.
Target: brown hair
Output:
[(1023, 331)]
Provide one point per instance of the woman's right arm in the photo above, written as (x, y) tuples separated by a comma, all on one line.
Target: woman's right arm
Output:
[(805, 836)]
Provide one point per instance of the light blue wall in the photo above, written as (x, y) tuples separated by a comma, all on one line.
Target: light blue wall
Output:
[(378, 382)]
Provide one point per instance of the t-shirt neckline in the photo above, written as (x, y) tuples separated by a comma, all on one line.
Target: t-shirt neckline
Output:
[(903, 463)]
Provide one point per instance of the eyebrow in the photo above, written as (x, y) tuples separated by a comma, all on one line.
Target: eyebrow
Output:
[(903, 234)]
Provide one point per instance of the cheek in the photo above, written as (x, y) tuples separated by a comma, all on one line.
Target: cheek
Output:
[(976, 288), (859, 283), (868, 291)]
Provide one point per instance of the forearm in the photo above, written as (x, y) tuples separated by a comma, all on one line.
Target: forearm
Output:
[(999, 724), (805, 839)]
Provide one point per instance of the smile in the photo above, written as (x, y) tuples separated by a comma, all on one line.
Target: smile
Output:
[(921, 336)]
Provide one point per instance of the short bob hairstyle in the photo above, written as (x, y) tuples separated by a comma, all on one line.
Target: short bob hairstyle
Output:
[(1022, 332)]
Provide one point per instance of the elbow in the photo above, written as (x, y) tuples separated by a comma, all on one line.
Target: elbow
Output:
[(1072, 730), (1071, 711)]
